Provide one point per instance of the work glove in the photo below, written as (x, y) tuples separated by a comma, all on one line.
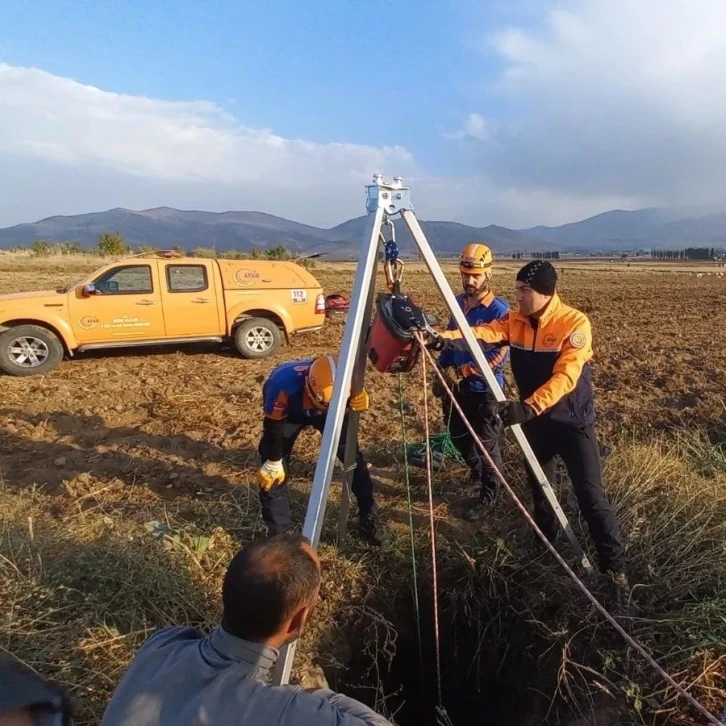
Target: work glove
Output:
[(360, 402), (434, 341), (515, 412), (437, 387), (270, 474)]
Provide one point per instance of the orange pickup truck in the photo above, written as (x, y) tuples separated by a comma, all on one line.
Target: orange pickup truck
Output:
[(160, 298)]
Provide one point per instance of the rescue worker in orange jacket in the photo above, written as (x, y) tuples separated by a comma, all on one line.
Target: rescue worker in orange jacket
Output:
[(551, 349)]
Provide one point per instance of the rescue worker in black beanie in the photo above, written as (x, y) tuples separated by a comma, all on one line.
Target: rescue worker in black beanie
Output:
[(551, 348)]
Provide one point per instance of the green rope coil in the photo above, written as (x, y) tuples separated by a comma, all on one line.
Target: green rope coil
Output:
[(442, 448)]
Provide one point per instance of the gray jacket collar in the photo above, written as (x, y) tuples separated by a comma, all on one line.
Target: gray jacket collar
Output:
[(258, 657)]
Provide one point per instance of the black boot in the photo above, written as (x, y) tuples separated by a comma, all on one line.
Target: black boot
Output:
[(472, 488), (478, 510), (371, 527), (619, 597), (536, 543)]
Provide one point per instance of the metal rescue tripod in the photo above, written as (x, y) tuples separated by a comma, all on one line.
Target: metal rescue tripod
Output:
[(384, 202)]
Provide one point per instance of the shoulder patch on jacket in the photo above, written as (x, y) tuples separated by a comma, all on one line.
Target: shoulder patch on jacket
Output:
[(578, 339)]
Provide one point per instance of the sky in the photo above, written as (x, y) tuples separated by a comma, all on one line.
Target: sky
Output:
[(510, 112)]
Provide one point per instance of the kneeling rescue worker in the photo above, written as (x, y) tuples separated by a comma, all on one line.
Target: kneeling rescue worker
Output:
[(467, 382), (551, 349), (296, 395)]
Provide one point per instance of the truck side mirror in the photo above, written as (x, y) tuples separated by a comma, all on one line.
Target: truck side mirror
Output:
[(89, 289)]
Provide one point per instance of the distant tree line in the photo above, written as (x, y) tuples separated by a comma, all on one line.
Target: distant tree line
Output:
[(536, 255), (690, 253), (279, 252), (114, 245)]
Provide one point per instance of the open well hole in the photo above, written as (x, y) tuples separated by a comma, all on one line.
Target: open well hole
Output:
[(496, 666)]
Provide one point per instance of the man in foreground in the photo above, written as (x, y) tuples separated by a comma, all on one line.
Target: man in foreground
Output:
[(179, 677), (551, 349), (296, 395), (468, 384)]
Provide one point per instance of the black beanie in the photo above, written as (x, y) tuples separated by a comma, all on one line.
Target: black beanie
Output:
[(540, 276)]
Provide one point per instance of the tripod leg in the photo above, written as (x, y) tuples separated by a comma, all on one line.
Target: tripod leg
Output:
[(441, 282), (352, 340), (351, 439)]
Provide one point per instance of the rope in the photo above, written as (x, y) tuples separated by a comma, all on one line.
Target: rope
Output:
[(416, 604), (628, 638), (429, 486), (441, 442)]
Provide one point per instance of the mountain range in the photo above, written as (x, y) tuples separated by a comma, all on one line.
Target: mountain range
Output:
[(614, 231)]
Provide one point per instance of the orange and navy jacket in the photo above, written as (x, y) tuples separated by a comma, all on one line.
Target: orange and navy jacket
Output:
[(457, 356), (285, 400), (550, 362), (284, 397)]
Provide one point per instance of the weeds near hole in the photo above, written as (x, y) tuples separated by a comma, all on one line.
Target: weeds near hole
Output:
[(82, 589), (708, 458)]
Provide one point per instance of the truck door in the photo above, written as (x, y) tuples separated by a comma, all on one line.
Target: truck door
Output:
[(191, 299), (126, 305)]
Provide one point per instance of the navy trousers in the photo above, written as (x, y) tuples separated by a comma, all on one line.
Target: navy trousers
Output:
[(276, 503)]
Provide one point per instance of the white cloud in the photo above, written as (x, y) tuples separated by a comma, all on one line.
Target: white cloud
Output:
[(474, 127), (191, 151), (609, 104), (70, 148), (479, 200), (615, 99)]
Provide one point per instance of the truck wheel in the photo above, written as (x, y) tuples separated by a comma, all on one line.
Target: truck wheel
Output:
[(257, 338), (29, 350)]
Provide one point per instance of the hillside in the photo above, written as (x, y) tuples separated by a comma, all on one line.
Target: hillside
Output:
[(166, 227), (616, 230)]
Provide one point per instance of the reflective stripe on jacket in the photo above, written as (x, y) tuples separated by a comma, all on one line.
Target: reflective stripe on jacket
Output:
[(550, 362), (487, 309)]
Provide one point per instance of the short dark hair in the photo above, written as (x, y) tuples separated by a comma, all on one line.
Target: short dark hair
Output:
[(264, 583)]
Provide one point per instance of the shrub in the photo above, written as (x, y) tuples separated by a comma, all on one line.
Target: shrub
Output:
[(112, 245), (206, 252), (41, 248), (279, 252)]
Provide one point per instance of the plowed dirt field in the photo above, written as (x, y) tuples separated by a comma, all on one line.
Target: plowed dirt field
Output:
[(125, 439)]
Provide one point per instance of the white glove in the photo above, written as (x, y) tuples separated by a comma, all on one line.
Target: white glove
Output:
[(270, 473)]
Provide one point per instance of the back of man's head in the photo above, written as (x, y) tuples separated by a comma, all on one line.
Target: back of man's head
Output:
[(266, 583)]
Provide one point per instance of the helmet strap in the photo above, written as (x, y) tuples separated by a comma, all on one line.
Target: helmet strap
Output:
[(313, 398)]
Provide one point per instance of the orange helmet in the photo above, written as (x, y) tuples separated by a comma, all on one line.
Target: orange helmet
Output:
[(476, 258), (319, 382)]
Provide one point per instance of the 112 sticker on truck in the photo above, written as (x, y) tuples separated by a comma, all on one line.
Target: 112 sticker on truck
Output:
[(299, 296)]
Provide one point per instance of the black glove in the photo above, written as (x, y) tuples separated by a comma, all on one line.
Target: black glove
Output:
[(437, 387), (515, 412), (434, 341)]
